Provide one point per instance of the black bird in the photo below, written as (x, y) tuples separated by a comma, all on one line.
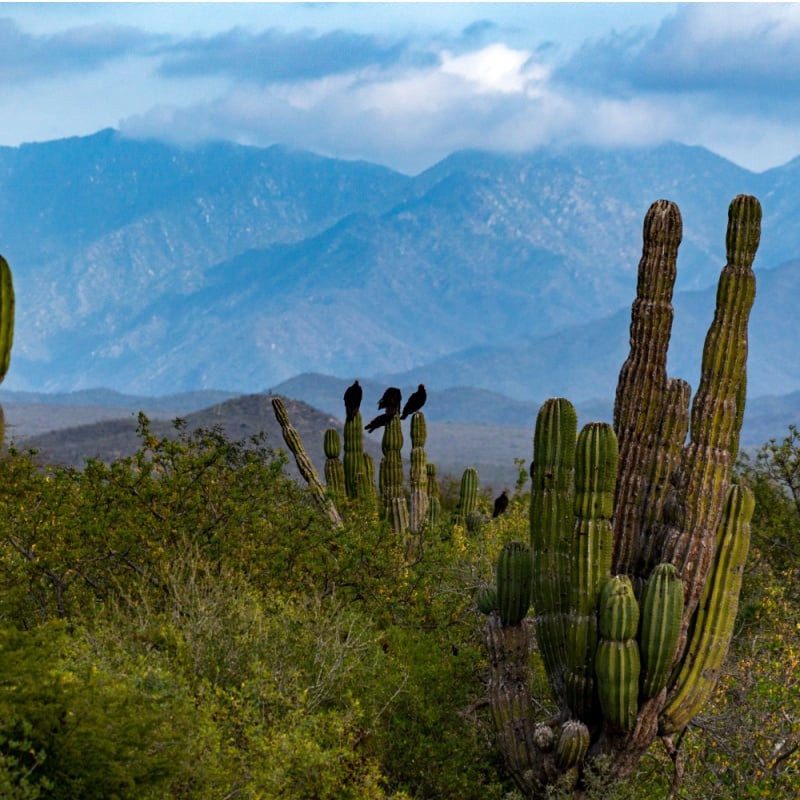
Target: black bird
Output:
[(352, 400), (379, 422), (390, 402), (500, 504), (415, 402)]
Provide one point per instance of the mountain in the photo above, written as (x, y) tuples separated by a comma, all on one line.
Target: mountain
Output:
[(152, 269)]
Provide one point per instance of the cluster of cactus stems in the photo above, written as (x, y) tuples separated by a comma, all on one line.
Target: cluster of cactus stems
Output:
[(638, 538), (350, 473)]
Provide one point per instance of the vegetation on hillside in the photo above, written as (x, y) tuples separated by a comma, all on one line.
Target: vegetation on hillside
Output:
[(185, 623)]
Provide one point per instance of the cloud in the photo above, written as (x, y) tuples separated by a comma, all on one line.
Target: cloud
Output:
[(25, 57), (721, 48), (274, 55)]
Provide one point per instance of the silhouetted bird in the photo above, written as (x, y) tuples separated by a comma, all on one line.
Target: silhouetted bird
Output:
[(501, 504), (352, 400), (415, 402), (390, 402), (379, 422)]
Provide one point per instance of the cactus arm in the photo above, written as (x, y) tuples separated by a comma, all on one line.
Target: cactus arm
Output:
[(642, 385), (334, 471), (596, 457), (304, 463), (353, 454), (716, 615), (706, 464), (514, 582), (391, 476), (551, 522), (418, 494), (617, 662), (662, 609), (7, 303)]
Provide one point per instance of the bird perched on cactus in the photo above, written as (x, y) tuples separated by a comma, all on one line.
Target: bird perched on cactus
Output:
[(352, 400), (500, 504), (415, 402), (381, 421), (390, 400)]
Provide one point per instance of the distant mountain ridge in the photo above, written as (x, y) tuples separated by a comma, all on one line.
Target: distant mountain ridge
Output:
[(155, 270)]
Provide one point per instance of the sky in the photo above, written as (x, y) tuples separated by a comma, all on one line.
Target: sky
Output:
[(405, 84)]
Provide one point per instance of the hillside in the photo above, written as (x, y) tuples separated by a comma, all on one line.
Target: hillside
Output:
[(153, 270)]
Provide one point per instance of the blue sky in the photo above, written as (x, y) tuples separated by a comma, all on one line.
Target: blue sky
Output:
[(404, 84)]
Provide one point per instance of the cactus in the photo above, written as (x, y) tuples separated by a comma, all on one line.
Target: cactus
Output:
[(334, 471), (617, 662), (354, 455), (6, 329), (662, 609), (551, 524), (513, 582), (716, 614), (486, 599), (590, 556), (468, 497), (434, 501), (418, 494), (391, 476), (304, 464), (658, 512), (6, 317)]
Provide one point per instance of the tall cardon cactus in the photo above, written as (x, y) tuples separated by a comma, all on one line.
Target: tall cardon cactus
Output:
[(638, 539), (7, 304)]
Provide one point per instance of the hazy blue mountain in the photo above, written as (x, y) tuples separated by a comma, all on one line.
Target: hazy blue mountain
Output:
[(153, 270)]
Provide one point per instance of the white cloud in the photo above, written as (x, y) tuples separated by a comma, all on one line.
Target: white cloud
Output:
[(496, 68)]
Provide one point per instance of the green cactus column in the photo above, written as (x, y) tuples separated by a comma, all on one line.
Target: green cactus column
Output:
[(354, 455), (434, 495), (391, 476), (304, 463), (596, 457), (7, 309), (418, 488), (642, 385), (551, 524), (468, 497), (716, 614), (334, 470), (706, 465), (617, 662)]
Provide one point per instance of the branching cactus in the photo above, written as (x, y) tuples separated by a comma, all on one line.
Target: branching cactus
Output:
[(638, 539)]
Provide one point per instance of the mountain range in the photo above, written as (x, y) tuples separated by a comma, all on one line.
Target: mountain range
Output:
[(152, 270)]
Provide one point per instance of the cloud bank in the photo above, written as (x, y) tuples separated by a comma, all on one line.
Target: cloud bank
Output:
[(726, 76)]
